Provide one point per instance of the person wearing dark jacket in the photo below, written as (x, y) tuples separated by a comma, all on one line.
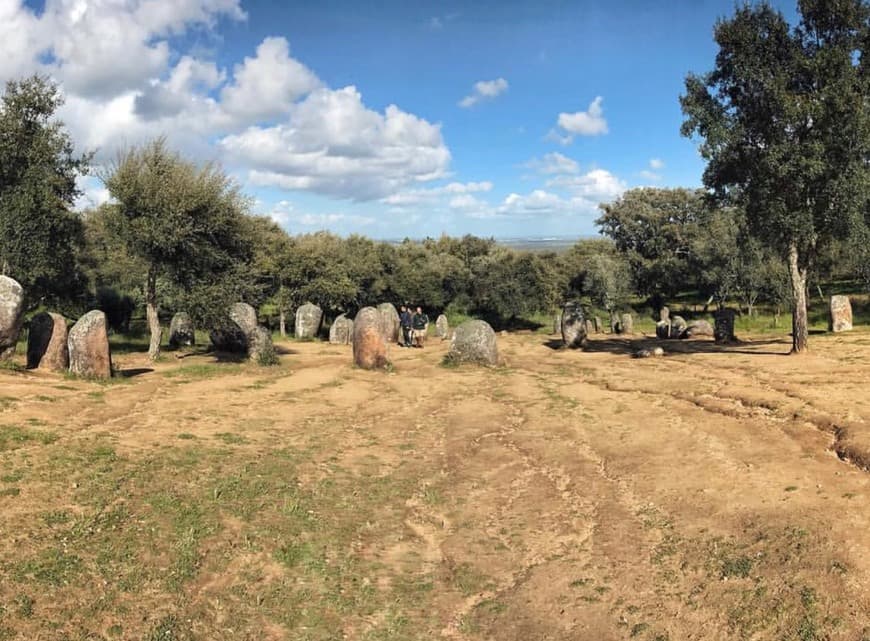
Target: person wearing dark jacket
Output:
[(405, 321), (420, 325)]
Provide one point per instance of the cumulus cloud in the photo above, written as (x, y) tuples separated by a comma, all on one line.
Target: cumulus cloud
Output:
[(484, 90), (430, 195), (333, 144), (653, 174), (266, 85), (285, 214), (597, 185), (581, 123), (656, 163)]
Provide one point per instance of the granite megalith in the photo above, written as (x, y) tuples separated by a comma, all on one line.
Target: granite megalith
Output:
[(181, 331), (11, 315), (88, 341), (341, 331), (369, 344), (573, 326), (308, 320), (47, 346)]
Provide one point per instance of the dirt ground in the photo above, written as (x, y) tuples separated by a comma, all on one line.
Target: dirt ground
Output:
[(715, 493)]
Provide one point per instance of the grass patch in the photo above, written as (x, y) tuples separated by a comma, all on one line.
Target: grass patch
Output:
[(202, 370), (14, 436), (230, 438)]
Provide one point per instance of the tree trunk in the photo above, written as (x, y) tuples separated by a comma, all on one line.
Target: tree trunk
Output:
[(282, 323), (151, 313), (799, 323)]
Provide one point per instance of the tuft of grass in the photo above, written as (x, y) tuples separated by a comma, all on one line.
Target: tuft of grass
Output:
[(230, 438), (15, 436), (185, 436)]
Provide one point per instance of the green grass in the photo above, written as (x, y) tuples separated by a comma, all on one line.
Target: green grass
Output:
[(15, 436)]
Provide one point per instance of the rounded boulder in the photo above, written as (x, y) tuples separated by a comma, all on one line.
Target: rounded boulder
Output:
[(341, 331), (389, 323), (473, 342), (181, 331)]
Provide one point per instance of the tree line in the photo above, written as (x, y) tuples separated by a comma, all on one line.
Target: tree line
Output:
[(783, 121)]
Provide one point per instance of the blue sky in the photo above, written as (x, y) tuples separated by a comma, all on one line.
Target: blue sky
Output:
[(400, 119)]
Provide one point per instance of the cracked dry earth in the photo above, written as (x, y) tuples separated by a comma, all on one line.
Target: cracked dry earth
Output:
[(716, 493)]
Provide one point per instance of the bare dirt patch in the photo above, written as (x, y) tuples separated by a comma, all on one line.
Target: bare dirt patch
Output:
[(716, 493)]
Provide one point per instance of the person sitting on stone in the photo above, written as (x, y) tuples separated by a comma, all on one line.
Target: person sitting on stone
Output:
[(405, 322), (420, 324)]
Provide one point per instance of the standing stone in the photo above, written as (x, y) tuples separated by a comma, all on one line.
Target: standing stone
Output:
[(244, 316), (627, 324), (181, 331), (341, 332), (442, 327), (664, 314), (88, 342), (473, 342), (390, 324), (699, 328), (678, 327), (11, 315), (557, 323), (369, 345), (260, 347), (47, 343), (573, 326), (723, 331), (841, 314), (308, 319), (663, 329)]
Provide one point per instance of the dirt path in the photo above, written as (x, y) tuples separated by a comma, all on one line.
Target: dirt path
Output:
[(711, 494)]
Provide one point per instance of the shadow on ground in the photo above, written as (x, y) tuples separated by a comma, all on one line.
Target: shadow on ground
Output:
[(630, 345)]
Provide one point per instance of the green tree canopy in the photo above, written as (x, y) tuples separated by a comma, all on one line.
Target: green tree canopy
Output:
[(784, 125), (39, 234), (187, 225)]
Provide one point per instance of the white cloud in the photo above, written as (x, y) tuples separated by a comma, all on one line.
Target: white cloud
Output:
[(419, 196), (332, 144), (266, 85), (597, 185), (656, 163), (285, 214), (581, 123), (484, 90), (651, 176), (554, 163)]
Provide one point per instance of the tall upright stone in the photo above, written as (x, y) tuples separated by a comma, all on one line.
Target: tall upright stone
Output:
[(442, 327), (557, 323), (88, 342), (678, 327), (308, 319), (181, 331), (573, 325), (341, 331), (369, 344), (244, 316), (626, 325), (232, 335), (47, 343), (723, 326), (840, 319), (473, 342), (11, 315), (261, 350), (390, 324)]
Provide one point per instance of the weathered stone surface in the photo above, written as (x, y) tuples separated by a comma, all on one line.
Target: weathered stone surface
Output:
[(88, 343), (663, 329), (11, 315), (626, 324), (473, 342), (369, 344), (181, 331), (723, 330), (573, 326), (698, 328), (47, 343), (557, 323), (442, 327), (664, 314), (341, 331), (678, 327), (308, 320), (841, 314), (244, 316), (389, 323), (260, 347)]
